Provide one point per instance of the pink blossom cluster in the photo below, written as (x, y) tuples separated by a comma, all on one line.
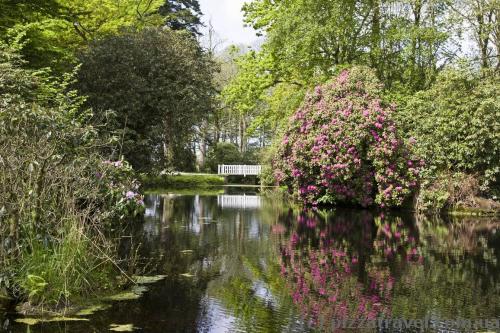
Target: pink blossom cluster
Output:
[(343, 146)]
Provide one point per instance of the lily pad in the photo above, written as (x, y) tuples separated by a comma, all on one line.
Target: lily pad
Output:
[(92, 309), (135, 293), (59, 319), (121, 328), (28, 321), (188, 275), (148, 279), (34, 321)]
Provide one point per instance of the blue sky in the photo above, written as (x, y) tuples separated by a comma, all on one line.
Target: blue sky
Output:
[(227, 20)]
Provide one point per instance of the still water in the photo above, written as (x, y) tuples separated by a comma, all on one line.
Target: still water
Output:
[(236, 261)]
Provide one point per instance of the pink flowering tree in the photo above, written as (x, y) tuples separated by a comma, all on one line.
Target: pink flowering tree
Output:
[(343, 146)]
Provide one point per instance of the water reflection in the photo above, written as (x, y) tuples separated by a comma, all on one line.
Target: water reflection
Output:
[(245, 263), (239, 201), (357, 266)]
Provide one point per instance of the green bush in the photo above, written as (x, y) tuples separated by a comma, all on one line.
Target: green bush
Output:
[(456, 125), (157, 84), (57, 195)]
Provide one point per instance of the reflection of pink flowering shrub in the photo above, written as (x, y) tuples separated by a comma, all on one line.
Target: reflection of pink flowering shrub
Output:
[(324, 279), (395, 239), (342, 145), (338, 267)]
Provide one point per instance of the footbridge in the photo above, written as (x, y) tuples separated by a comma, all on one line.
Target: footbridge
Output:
[(239, 170)]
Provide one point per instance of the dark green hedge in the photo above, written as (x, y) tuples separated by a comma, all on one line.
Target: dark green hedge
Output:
[(182, 181)]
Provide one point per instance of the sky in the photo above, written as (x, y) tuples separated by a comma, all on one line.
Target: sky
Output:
[(227, 20)]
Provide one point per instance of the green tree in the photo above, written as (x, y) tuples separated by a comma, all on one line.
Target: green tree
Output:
[(157, 83), (52, 31), (309, 41), (182, 14), (480, 18), (223, 153), (243, 95)]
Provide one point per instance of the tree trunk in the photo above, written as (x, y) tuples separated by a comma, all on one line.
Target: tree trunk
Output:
[(242, 134), (375, 55)]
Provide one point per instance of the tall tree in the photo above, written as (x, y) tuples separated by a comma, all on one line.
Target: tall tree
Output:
[(158, 84), (311, 40), (481, 18), (182, 14)]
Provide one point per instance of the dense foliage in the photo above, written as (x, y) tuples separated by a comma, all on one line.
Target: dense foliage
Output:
[(53, 31), (57, 193), (401, 40), (457, 123), (182, 14), (157, 83), (342, 145), (416, 49), (223, 153)]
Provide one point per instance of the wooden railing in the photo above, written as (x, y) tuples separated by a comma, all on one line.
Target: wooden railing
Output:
[(243, 170)]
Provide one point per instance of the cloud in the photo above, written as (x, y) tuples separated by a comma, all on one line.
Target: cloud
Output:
[(227, 20)]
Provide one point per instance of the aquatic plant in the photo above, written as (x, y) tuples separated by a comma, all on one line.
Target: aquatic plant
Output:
[(342, 145)]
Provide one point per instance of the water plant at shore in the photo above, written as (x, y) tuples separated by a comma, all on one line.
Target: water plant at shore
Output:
[(342, 145), (57, 196)]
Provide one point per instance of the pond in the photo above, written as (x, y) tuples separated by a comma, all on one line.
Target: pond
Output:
[(235, 261)]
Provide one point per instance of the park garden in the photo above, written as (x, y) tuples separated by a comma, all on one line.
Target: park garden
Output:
[(374, 105)]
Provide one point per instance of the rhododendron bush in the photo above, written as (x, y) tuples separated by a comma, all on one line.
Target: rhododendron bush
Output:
[(343, 146)]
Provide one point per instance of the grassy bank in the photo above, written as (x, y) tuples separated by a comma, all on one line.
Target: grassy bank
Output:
[(185, 180)]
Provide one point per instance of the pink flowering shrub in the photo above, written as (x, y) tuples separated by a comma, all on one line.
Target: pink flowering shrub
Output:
[(119, 190), (343, 146)]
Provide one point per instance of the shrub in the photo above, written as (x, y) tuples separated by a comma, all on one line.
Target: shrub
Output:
[(56, 193), (457, 125), (158, 84), (343, 146), (449, 190)]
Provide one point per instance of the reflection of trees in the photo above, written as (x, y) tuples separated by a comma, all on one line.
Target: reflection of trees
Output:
[(461, 275), (256, 263), (233, 258), (250, 286), (448, 291), (255, 297)]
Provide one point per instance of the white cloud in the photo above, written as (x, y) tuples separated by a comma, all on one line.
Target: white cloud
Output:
[(227, 20)]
